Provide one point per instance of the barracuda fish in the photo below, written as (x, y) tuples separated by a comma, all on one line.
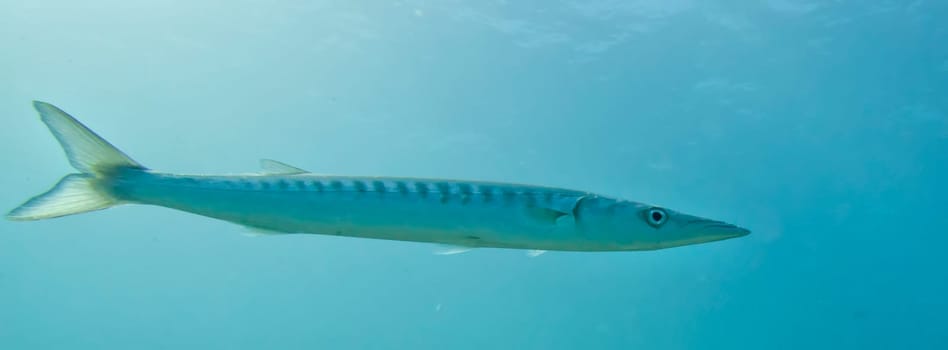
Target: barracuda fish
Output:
[(287, 199)]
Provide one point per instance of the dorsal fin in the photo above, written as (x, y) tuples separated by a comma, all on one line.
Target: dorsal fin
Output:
[(273, 167)]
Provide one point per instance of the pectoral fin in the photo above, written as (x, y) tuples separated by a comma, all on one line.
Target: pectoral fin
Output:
[(558, 211), (545, 214)]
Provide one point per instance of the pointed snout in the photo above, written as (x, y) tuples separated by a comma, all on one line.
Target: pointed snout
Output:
[(697, 230), (722, 230)]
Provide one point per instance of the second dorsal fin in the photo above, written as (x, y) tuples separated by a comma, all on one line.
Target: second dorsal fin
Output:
[(273, 167)]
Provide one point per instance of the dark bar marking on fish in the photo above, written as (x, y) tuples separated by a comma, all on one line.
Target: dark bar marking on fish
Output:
[(465, 189), (445, 189), (401, 187), (422, 189), (487, 192), (547, 197), (509, 194), (530, 199), (379, 186)]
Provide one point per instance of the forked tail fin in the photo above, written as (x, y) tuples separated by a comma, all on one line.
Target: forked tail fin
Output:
[(93, 156)]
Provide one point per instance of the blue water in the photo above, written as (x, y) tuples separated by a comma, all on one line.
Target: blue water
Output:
[(820, 125)]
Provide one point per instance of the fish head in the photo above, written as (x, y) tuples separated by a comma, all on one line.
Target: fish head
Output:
[(637, 226), (673, 229)]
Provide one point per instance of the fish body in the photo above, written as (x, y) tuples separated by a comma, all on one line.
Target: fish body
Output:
[(285, 199)]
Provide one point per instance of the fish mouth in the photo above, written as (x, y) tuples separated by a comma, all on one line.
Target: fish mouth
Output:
[(700, 230), (717, 231)]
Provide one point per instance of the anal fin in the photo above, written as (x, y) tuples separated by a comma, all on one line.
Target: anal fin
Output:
[(253, 231), (533, 253), (447, 249)]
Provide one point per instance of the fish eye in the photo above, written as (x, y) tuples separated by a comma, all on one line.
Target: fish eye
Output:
[(656, 216)]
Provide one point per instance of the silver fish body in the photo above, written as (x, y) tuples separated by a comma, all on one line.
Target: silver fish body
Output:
[(291, 200)]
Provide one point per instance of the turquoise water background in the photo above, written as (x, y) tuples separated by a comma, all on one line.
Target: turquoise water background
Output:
[(820, 125)]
